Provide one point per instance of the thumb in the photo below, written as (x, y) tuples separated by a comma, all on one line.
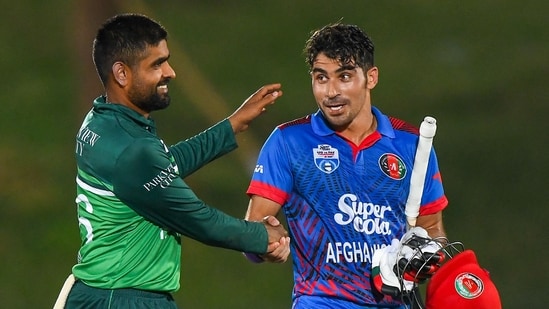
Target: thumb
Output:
[(271, 220)]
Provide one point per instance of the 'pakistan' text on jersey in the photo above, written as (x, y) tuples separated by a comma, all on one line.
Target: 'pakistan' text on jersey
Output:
[(342, 201), (133, 204)]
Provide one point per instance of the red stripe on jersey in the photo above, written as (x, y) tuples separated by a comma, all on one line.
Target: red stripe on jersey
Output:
[(433, 207), (402, 125), (367, 142), (302, 120), (267, 191)]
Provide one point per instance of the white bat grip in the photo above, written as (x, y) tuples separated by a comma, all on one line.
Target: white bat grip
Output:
[(427, 131)]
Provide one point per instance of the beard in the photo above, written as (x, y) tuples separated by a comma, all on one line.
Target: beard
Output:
[(149, 101)]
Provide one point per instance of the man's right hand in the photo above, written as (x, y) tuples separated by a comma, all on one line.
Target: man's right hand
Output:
[(254, 106), (278, 249)]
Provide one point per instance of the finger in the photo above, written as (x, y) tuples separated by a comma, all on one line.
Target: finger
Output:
[(285, 242), (277, 256), (272, 246), (434, 258), (265, 90), (271, 220), (280, 254), (269, 98), (389, 290), (273, 95), (270, 88)]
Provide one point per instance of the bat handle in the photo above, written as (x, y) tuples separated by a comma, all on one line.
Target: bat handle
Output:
[(427, 131), (428, 127)]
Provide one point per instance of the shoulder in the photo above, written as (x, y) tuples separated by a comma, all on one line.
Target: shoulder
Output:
[(291, 129), (393, 127), (306, 120), (403, 126), (144, 149)]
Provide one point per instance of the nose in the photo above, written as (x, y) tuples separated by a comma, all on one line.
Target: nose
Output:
[(331, 90), (168, 71)]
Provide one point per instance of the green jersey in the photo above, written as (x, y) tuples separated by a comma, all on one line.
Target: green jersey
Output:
[(133, 205)]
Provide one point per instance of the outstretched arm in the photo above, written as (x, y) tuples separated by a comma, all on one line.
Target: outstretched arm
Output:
[(218, 140)]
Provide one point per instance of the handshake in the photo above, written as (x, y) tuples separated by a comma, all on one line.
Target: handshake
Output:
[(398, 268), (278, 248)]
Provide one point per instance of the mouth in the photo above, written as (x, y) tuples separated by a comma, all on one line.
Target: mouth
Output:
[(162, 88), (335, 108)]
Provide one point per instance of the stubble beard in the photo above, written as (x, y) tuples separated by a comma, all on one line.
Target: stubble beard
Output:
[(339, 121), (151, 102)]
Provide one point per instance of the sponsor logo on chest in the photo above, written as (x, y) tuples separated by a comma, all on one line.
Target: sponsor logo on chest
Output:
[(326, 158)]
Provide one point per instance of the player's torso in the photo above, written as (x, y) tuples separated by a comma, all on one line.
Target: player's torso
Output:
[(120, 248), (345, 205), (357, 197)]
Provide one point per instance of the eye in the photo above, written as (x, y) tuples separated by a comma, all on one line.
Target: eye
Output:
[(345, 77), (158, 63), (321, 78)]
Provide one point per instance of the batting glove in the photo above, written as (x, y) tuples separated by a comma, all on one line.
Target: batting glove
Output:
[(383, 271), (398, 268), (419, 257)]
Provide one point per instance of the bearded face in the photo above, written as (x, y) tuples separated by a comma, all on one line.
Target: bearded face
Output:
[(149, 97)]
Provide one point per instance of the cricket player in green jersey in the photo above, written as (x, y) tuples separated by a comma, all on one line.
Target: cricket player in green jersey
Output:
[(132, 203)]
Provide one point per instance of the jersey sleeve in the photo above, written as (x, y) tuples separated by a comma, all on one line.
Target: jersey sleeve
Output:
[(197, 151), (272, 177), (433, 199), (148, 180)]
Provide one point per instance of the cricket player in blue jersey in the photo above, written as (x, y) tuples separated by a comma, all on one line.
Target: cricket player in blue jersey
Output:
[(341, 176)]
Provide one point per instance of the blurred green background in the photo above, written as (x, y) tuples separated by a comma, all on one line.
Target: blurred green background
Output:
[(480, 67)]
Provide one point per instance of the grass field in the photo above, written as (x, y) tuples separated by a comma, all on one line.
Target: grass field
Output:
[(480, 67)]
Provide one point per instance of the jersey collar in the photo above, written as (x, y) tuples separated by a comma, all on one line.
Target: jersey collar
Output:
[(321, 128), (100, 104)]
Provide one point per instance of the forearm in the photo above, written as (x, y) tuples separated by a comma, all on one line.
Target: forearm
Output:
[(187, 215), (433, 224), (215, 228), (195, 152), (157, 192)]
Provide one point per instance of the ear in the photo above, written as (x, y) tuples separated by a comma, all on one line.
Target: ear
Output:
[(371, 77), (121, 73)]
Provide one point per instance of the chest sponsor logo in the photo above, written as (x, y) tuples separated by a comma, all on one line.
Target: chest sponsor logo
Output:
[(365, 217), (392, 166), (326, 158)]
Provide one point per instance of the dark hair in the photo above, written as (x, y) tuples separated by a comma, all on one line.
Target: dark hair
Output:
[(124, 38), (345, 43)]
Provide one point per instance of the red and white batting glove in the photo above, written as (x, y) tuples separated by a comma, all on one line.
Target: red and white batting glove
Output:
[(383, 271), (398, 268), (420, 256)]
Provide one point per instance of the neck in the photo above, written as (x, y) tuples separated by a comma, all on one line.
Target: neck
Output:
[(362, 129), (123, 100)]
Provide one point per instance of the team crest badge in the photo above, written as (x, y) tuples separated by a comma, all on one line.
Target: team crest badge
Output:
[(326, 158), (468, 285), (392, 166)]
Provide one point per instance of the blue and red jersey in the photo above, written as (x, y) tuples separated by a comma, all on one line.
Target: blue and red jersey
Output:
[(342, 201)]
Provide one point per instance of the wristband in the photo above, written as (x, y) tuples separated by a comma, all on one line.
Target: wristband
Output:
[(255, 258)]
